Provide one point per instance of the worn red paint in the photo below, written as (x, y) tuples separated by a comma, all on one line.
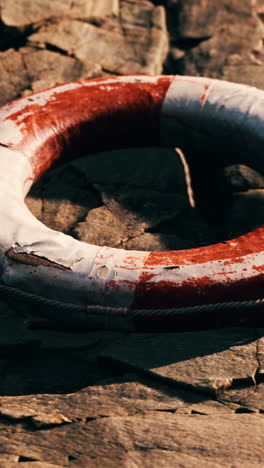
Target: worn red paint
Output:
[(91, 118), (252, 242), (108, 114), (169, 294), (117, 286)]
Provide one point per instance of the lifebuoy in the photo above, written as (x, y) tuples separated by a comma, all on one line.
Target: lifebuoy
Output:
[(67, 120)]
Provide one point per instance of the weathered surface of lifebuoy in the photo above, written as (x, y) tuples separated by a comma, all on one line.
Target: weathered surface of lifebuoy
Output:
[(71, 119)]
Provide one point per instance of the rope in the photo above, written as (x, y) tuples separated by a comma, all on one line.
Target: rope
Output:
[(114, 317), (216, 307)]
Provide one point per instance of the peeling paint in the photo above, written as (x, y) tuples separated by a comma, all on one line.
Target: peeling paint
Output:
[(44, 126)]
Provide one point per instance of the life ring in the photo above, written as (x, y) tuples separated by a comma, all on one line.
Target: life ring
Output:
[(115, 112)]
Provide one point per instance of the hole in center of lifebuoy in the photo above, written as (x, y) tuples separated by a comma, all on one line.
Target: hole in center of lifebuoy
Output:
[(149, 199)]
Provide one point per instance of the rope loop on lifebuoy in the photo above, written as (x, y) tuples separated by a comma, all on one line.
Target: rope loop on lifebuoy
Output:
[(187, 112)]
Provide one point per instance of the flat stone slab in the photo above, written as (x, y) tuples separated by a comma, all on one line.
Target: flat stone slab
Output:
[(207, 361), (177, 440)]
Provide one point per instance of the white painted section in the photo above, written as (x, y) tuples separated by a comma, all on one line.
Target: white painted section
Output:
[(93, 271), (225, 119), (15, 169)]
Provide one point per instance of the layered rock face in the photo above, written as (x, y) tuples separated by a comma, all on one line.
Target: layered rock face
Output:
[(67, 41), (70, 396)]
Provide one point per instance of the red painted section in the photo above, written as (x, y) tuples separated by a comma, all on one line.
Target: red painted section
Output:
[(205, 289), (91, 118), (252, 242), (168, 294)]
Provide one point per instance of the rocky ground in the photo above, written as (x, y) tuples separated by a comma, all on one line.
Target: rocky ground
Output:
[(73, 397)]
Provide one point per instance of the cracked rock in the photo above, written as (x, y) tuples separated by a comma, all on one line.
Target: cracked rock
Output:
[(29, 69), (62, 198), (80, 200), (140, 46), (207, 361), (23, 12), (194, 440), (213, 56), (199, 18), (127, 397), (13, 75), (67, 47)]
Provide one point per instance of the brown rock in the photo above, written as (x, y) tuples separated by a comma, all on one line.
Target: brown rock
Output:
[(46, 68), (102, 227), (160, 242), (207, 361), (4, 457), (24, 12), (62, 198), (134, 41), (128, 397), (220, 29), (199, 18), (13, 76), (250, 74), (140, 46), (29, 464), (193, 440), (29, 69), (137, 199)]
